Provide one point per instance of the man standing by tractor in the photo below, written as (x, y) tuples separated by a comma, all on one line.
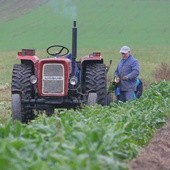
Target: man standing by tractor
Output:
[(125, 75)]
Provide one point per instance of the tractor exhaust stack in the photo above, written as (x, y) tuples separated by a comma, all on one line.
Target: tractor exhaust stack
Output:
[(74, 46)]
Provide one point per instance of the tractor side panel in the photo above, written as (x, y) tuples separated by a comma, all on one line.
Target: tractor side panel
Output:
[(53, 77)]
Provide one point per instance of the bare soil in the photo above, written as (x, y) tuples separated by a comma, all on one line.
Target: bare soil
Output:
[(156, 156)]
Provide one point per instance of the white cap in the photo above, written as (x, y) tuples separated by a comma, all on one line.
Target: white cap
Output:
[(125, 49)]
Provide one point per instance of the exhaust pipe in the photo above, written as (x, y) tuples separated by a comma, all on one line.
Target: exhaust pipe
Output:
[(74, 46)]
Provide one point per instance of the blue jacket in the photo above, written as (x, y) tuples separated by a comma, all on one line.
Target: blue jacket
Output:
[(127, 67)]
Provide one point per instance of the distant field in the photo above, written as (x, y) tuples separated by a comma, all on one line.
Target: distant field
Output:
[(11, 9), (102, 26)]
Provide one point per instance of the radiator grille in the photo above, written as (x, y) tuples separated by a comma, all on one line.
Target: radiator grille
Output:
[(53, 78)]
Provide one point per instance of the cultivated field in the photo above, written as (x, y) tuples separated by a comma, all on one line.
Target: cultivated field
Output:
[(96, 137)]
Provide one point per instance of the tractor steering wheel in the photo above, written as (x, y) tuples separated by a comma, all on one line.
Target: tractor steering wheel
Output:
[(61, 50)]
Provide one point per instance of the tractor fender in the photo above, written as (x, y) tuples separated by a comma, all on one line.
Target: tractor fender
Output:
[(27, 56), (29, 60), (91, 58), (33, 59)]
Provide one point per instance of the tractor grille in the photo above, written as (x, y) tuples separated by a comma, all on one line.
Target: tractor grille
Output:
[(53, 78)]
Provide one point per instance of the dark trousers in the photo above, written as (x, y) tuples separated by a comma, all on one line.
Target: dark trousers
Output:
[(126, 96)]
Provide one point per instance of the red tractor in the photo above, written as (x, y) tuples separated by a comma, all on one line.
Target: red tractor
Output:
[(57, 82)]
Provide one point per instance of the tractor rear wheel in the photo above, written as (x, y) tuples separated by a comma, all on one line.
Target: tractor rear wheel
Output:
[(21, 89), (96, 81)]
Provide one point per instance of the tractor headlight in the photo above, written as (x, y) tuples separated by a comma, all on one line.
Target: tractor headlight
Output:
[(73, 80), (33, 79)]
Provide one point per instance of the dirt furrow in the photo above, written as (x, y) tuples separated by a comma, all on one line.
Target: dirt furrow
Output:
[(156, 156)]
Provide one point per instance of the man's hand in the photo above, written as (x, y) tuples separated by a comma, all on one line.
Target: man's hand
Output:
[(125, 78), (116, 79)]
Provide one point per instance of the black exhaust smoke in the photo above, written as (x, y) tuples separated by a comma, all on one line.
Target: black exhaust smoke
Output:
[(74, 46)]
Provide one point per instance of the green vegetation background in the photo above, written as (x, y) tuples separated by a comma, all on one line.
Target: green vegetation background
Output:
[(102, 26), (94, 137)]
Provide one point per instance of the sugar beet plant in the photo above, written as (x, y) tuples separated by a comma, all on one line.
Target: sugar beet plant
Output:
[(93, 138)]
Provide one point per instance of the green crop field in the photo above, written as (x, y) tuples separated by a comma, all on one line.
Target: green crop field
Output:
[(93, 137)]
